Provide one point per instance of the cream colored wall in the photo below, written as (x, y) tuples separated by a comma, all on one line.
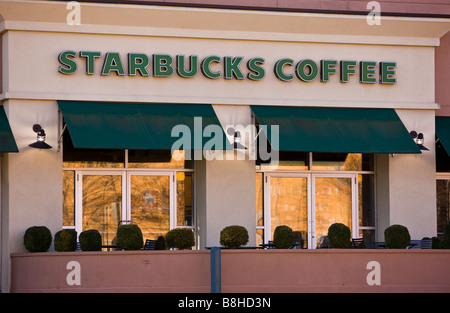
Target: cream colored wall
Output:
[(230, 198), (34, 186), (412, 179), (30, 65)]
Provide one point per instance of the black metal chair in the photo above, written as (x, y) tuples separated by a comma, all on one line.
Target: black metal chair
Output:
[(150, 244), (358, 243), (420, 244)]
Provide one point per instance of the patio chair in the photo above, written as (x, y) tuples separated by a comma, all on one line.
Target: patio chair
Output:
[(420, 244), (358, 243), (150, 244)]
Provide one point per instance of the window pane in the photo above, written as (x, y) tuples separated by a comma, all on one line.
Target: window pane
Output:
[(68, 198), (259, 236), (367, 234), (185, 213), (442, 158), (150, 204), (342, 161), (443, 203), (333, 199), (102, 205), (259, 200), (158, 159), (287, 161), (91, 158), (366, 200), (288, 203)]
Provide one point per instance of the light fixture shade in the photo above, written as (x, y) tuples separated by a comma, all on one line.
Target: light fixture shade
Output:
[(418, 139), (40, 145)]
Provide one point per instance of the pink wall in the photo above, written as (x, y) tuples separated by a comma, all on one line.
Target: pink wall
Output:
[(242, 271), (443, 76)]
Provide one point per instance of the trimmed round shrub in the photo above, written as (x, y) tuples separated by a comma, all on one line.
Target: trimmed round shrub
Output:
[(339, 235), (37, 239), (90, 240), (129, 237), (445, 243), (397, 237), (180, 238), (283, 237), (160, 243), (233, 236), (66, 240)]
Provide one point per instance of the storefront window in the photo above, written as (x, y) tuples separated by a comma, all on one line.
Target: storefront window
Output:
[(328, 188), (185, 205), (157, 159), (442, 187), (342, 162), (102, 205), (443, 203), (91, 158), (153, 189), (68, 198)]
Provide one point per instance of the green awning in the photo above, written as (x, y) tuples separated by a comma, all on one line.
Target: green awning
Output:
[(116, 125), (340, 130), (443, 131), (7, 142)]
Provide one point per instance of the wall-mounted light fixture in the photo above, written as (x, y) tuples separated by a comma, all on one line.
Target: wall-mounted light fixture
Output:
[(237, 138), (40, 143), (418, 139)]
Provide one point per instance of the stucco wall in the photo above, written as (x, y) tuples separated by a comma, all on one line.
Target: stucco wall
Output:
[(254, 271)]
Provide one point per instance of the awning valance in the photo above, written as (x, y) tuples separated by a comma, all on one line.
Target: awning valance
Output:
[(340, 130), (443, 131), (116, 125), (7, 142)]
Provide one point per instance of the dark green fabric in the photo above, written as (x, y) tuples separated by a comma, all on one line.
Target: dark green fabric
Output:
[(118, 125), (443, 131), (7, 142), (337, 129)]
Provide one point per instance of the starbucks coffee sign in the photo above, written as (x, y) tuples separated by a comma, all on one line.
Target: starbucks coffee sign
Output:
[(217, 67)]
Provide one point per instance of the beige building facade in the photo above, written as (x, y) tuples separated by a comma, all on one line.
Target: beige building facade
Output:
[(131, 54)]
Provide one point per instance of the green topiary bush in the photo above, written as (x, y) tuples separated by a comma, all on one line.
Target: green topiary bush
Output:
[(397, 237), (90, 240), (37, 239), (339, 235), (283, 237), (180, 238), (66, 240), (233, 236), (160, 243), (445, 243), (129, 237)]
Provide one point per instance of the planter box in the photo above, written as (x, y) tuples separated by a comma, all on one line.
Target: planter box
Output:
[(242, 270)]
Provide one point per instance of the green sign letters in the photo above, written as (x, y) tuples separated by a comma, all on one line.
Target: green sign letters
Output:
[(216, 67)]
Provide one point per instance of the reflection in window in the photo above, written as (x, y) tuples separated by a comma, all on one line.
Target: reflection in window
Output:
[(68, 198), (289, 205), (443, 203), (185, 214), (287, 160), (366, 200), (91, 158), (102, 204), (333, 198), (342, 162), (158, 159), (150, 204)]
